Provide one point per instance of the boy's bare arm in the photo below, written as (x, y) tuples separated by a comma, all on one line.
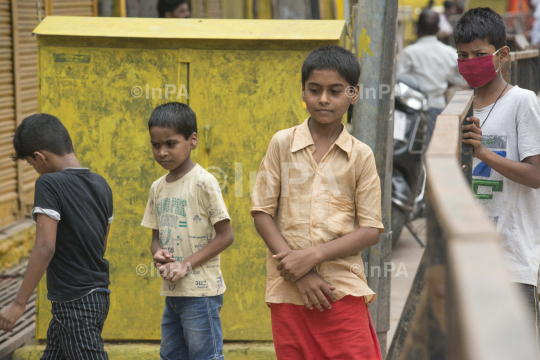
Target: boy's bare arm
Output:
[(269, 232), (296, 263), (525, 173), (223, 239), (40, 258), (161, 256), (312, 286)]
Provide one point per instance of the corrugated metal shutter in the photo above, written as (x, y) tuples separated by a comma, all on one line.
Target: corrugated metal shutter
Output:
[(26, 89), (19, 92), (9, 205), (73, 8)]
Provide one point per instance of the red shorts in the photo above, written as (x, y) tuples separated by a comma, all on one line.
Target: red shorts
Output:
[(343, 332)]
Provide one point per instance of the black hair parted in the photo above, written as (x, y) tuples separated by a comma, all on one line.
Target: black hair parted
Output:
[(41, 132), (169, 5), (332, 57), (176, 116), (481, 23)]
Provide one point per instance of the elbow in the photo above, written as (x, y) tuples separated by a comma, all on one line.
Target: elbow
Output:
[(231, 240), (376, 238), (45, 249)]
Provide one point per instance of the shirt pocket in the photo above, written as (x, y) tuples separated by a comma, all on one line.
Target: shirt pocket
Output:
[(340, 215)]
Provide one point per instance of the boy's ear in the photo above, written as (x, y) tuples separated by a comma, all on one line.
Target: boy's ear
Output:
[(354, 96), (193, 141), (504, 54), (41, 157), (304, 92)]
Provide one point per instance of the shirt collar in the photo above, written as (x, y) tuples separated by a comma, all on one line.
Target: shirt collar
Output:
[(427, 38), (303, 139)]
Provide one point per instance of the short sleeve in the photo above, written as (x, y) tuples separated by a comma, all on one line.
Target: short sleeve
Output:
[(404, 65), (268, 183), (368, 194), (150, 218), (46, 199), (528, 129), (211, 201), (110, 207)]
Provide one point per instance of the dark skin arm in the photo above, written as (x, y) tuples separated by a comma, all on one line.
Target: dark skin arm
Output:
[(525, 173), (296, 263), (173, 271), (311, 286), (40, 258)]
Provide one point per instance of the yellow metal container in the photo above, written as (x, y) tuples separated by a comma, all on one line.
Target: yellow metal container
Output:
[(103, 77)]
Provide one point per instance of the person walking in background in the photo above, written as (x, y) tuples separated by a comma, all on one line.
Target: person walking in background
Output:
[(535, 32), (450, 9), (432, 63)]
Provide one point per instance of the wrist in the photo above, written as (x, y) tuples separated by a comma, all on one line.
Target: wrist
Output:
[(482, 152), (20, 303), (316, 255)]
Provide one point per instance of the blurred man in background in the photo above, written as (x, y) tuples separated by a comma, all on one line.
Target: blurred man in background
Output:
[(174, 9), (432, 63), (535, 32), (450, 9)]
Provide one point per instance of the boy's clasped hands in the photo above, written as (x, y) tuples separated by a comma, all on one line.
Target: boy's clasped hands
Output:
[(298, 267), (168, 267)]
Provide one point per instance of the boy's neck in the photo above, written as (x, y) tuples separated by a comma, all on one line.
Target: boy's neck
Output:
[(488, 94), (68, 161), (324, 132), (179, 172)]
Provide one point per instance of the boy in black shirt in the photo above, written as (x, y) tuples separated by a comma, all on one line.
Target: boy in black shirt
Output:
[(73, 209)]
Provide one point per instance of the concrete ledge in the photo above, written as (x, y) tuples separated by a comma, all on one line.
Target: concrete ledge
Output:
[(144, 351), (16, 243)]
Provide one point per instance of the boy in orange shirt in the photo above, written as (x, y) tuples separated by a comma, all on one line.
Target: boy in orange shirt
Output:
[(317, 205)]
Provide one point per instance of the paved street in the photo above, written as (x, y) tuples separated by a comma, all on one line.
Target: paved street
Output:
[(408, 251)]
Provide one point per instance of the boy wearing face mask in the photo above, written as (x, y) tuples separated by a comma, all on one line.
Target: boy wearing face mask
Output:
[(506, 141)]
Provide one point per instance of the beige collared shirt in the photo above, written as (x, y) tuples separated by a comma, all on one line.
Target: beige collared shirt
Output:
[(313, 204)]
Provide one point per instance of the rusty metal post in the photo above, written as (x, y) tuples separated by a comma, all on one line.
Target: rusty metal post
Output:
[(373, 119)]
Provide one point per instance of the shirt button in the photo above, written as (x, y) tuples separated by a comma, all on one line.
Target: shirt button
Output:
[(316, 199), (319, 172)]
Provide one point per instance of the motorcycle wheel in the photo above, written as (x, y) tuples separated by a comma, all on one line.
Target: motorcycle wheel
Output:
[(399, 217)]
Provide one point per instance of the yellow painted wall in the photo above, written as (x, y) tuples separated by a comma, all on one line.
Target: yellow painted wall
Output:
[(245, 90)]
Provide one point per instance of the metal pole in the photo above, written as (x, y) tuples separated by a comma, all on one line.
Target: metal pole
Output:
[(373, 123)]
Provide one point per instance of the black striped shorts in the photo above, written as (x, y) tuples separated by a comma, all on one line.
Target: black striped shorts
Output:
[(75, 329)]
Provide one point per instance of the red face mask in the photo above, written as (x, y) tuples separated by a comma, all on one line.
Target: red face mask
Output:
[(478, 71)]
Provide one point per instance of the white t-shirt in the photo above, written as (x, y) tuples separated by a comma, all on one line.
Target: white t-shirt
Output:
[(184, 212), (512, 131), (434, 65)]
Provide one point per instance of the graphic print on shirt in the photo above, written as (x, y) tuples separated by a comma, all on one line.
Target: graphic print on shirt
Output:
[(487, 183), (171, 214)]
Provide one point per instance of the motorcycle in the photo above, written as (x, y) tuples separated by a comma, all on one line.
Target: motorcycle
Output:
[(409, 173)]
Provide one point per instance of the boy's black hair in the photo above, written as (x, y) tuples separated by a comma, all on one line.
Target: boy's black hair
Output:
[(481, 23), (41, 132), (332, 58), (176, 116), (169, 5)]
